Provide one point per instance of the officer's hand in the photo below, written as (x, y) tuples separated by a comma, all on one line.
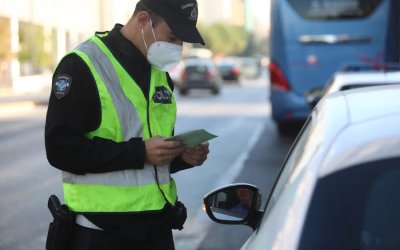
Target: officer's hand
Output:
[(160, 152), (196, 156)]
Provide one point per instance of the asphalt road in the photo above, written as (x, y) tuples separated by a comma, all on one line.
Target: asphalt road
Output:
[(247, 149)]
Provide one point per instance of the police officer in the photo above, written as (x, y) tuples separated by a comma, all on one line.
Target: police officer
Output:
[(110, 110)]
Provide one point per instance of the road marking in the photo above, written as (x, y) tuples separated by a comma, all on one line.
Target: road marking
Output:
[(14, 109), (197, 227)]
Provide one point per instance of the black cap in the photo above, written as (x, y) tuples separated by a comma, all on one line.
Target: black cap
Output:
[(181, 17)]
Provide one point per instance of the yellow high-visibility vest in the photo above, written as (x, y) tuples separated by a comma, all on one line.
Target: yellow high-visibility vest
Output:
[(125, 113)]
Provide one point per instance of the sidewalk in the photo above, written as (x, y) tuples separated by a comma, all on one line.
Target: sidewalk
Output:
[(8, 96), (11, 102)]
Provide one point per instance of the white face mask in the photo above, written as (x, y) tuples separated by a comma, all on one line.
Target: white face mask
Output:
[(163, 55)]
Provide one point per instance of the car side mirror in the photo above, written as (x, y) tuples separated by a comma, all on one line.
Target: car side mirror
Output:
[(234, 204)]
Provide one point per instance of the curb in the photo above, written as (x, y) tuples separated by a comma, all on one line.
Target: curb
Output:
[(16, 107)]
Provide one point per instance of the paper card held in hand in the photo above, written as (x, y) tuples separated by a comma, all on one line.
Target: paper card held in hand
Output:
[(192, 138)]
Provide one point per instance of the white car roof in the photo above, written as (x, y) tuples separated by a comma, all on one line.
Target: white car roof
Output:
[(369, 77), (342, 79), (197, 61), (365, 129)]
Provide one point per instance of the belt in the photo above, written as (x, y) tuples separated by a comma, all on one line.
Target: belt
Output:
[(84, 222)]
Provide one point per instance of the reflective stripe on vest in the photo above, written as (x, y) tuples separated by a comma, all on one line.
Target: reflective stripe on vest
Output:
[(125, 113)]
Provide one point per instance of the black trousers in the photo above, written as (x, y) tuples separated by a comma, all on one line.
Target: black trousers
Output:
[(91, 239)]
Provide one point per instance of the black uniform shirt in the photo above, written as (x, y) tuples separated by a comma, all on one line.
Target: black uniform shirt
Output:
[(70, 117)]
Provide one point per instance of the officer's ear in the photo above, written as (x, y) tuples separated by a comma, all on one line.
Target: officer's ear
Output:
[(143, 18)]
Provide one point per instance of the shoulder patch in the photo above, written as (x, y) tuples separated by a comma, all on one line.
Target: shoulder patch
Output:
[(62, 85)]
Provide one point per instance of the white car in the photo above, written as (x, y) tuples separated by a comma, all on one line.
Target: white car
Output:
[(357, 76), (339, 187)]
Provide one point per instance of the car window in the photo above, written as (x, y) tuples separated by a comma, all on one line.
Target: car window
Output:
[(356, 208), (196, 68), (334, 9), (288, 167), (355, 86)]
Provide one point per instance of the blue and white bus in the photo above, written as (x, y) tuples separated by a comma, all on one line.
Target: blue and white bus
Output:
[(311, 39)]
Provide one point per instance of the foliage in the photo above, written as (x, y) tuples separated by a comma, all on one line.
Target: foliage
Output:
[(227, 40), (32, 47), (231, 40), (5, 42)]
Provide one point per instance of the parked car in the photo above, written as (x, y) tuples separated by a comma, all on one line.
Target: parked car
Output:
[(250, 67), (199, 73), (230, 70), (175, 74), (357, 76), (339, 185)]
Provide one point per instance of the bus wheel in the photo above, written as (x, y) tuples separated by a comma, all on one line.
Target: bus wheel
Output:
[(284, 128), (291, 128)]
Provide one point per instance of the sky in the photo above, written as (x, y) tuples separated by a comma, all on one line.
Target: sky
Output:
[(260, 8)]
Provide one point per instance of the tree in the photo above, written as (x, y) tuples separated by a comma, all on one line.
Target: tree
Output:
[(5, 41), (5, 52), (33, 53), (221, 38)]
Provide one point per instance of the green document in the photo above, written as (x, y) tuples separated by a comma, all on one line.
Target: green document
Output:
[(192, 138)]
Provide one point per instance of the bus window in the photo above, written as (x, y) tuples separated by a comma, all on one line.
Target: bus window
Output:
[(334, 9)]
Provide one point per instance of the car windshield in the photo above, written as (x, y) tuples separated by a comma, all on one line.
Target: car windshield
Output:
[(197, 65), (355, 86), (356, 208), (196, 68), (290, 162)]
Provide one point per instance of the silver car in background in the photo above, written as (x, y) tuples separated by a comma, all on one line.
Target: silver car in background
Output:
[(357, 76), (199, 73)]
